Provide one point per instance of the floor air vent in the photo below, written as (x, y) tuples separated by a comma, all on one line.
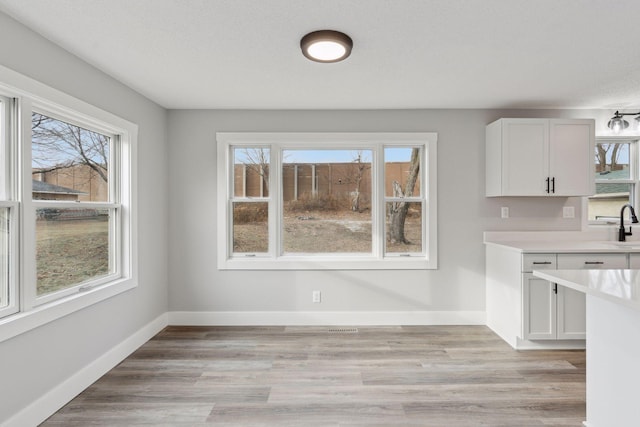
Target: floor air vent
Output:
[(343, 330)]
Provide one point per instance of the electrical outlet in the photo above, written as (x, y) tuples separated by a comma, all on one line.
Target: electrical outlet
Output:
[(316, 297), (568, 212), (504, 211)]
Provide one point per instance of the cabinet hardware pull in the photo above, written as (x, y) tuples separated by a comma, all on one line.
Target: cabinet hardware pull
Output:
[(547, 184), (553, 184), (555, 288), (541, 262), (594, 262)]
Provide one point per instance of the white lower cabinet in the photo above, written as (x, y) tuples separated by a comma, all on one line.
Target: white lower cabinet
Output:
[(539, 304), (552, 312), (571, 314), (529, 312)]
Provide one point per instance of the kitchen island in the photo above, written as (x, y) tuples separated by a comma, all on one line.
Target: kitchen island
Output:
[(613, 341)]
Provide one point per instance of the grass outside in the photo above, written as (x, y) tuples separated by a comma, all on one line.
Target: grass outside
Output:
[(340, 231), (69, 252)]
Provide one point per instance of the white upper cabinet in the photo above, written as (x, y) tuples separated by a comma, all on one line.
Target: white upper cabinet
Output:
[(540, 157)]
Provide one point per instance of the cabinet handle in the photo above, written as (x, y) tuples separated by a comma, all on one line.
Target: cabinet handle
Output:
[(555, 288), (594, 262), (547, 184), (541, 262), (553, 184)]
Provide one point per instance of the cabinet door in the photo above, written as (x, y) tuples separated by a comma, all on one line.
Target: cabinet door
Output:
[(525, 157), (538, 308), (572, 319), (571, 148)]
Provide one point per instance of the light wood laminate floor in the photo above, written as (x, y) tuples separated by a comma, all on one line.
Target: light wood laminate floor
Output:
[(313, 376)]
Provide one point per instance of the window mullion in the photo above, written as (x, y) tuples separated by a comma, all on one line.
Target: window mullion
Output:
[(275, 201), (378, 200), (28, 270), (635, 172)]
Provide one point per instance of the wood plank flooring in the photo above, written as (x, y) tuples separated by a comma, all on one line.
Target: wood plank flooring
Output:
[(308, 376)]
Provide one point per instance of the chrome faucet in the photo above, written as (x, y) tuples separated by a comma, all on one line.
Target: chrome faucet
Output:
[(622, 233)]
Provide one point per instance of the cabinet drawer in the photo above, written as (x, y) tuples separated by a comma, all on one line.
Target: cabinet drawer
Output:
[(634, 261), (532, 262), (591, 261)]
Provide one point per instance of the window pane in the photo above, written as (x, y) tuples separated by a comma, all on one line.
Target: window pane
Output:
[(250, 227), (4, 257), (404, 227), (327, 201), (3, 150), (612, 160), (251, 172), (72, 246), (402, 172), (608, 200), (68, 162)]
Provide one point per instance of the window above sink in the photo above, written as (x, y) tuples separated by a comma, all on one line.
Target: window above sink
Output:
[(617, 178)]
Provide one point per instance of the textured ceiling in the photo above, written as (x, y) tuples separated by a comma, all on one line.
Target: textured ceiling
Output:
[(407, 53)]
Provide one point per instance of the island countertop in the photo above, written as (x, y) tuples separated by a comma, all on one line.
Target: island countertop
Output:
[(618, 286)]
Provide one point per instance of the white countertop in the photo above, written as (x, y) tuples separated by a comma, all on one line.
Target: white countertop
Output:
[(603, 240), (568, 246), (620, 286)]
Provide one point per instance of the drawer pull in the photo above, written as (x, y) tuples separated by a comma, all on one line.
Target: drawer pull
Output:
[(541, 262), (594, 262)]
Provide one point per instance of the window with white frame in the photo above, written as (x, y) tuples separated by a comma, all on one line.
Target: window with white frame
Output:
[(75, 201), (327, 200), (616, 177), (8, 213), (67, 204)]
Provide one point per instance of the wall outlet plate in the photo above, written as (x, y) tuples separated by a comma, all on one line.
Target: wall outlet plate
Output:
[(316, 296), (568, 212), (504, 212)]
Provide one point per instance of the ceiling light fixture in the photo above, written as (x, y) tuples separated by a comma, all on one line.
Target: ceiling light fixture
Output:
[(617, 123), (326, 46)]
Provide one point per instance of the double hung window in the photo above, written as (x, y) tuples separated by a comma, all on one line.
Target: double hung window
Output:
[(8, 212), (67, 204), (327, 200), (616, 176), (75, 201)]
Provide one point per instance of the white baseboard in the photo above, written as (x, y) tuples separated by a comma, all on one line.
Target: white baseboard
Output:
[(328, 318), (48, 404)]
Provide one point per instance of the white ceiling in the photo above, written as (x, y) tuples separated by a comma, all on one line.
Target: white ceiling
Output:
[(407, 53)]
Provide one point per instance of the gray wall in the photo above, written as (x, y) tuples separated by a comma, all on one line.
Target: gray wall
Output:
[(33, 363), (463, 211)]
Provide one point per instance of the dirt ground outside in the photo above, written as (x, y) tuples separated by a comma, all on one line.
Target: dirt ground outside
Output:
[(69, 252), (341, 231)]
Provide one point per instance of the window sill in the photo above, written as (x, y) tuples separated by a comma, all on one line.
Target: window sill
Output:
[(328, 263), (19, 323)]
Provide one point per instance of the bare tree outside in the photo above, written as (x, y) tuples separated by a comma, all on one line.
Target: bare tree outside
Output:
[(398, 210), (58, 145), (257, 160), (607, 156)]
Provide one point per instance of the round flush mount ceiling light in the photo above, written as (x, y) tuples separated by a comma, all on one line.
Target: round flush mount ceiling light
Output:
[(326, 46)]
